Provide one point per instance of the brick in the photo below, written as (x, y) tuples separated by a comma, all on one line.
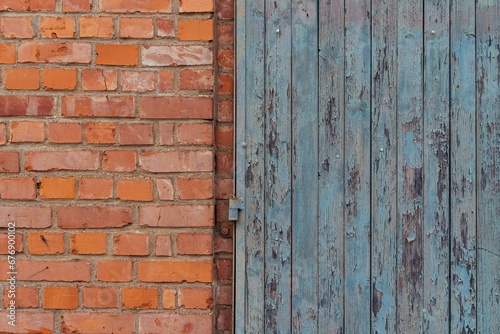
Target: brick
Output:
[(195, 188), (224, 295), (177, 216), (3, 134), (75, 6), (195, 298), (224, 135), (99, 79), (97, 323), (54, 52), (4, 243), (226, 83), (28, 5), (176, 55), (187, 6), (139, 298), (65, 133), (194, 244), (43, 243), (17, 188), (97, 106), (97, 27), (159, 323), (195, 134), (177, 161), (165, 27), (16, 27), (62, 160), (26, 105), (191, 79), (119, 161), (59, 78), (163, 245), (224, 188), (26, 297), (27, 132), (225, 9), (166, 132), (60, 297), (135, 190), (225, 111), (169, 296), (114, 271), (166, 81), (9, 162), (100, 297), (93, 217), (57, 188), (224, 162), (100, 133), (196, 30), (26, 216), (133, 6), (165, 189), (225, 59), (95, 188), (88, 243), (138, 81), (174, 271), (224, 268), (131, 244), (117, 54), (57, 27), (135, 134), (223, 245), (7, 53), (53, 271), (22, 78), (224, 320), (136, 27), (176, 107), (42, 323), (226, 33)]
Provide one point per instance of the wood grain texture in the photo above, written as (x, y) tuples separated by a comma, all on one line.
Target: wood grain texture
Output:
[(331, 167), (384, 164)]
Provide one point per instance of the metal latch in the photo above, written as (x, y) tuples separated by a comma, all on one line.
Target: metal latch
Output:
[(235, 204)]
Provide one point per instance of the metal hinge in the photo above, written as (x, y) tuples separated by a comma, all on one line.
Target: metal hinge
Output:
[(235, 204)]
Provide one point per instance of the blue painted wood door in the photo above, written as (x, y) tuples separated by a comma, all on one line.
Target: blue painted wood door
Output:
[(368, 165)]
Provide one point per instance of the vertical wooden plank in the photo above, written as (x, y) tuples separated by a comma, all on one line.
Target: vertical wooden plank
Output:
[(410, 177), (278, 167), (436, 166), (463, 165), (304, 166), (331, 173), (488, 115), (384, 165), (357, 165)]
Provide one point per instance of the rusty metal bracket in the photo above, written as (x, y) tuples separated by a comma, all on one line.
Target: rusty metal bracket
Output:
[(235, 204)]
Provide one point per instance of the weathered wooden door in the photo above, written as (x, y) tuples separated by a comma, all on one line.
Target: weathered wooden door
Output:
[(368, 166)]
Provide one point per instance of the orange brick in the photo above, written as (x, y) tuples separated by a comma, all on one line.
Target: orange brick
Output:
[(59, 79), (65, 133), (57, 188), (138, 81), (195, 298), (53, 271), (28, 5), (40, 243), (60, 297), (131, 244), (169, 296), (114, 271), (100, 133), (100, 27), (166, 81), (195, 188), (174, 271), (118, 161), (177, 216), (139, 298), (165, 27), (29, 322), (16, 27), (98, 323), (225, 59), (191, 79), (171, 322), (3, 133), (26, 297), (117, 54), (72, 6), (100, 297), (88, 243), (163, 245), (165, 189), (195, 134), (133, 6), (27, 132), (136, 27), (196, 30), (93, 216), (4, 243), (7, 53), (22, 78), (136, 134), (194, 244), (57, 27), (18, 189), (99, 79), (54, 52), (196, 6), (95, 188), (175, 107), (135, 190)]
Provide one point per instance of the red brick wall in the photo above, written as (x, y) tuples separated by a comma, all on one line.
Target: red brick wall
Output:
[(116, 160)]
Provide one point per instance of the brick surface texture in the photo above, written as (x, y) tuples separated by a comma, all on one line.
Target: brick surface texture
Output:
[(116, 162)]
